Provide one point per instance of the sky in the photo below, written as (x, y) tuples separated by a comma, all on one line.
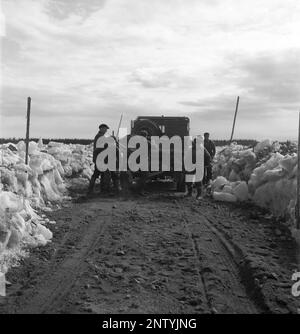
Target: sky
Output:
[(86, 62)]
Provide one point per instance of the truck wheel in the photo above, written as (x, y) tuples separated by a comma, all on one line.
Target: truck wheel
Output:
[(149, 126)]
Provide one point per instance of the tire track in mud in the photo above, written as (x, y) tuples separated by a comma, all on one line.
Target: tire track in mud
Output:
[(171, 253), (265, 259), (219, 267), (197, 258), (253, 291), (66, 267), (145, 264)]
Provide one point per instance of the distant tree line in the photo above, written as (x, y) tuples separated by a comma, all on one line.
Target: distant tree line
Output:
[(47, 140), (218, 142), (244, 142)]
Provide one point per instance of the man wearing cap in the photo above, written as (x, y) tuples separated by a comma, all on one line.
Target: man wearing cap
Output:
[(102, 131)]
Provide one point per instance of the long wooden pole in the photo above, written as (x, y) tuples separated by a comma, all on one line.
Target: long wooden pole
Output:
[(27, 128), (236, 110), (298, 181), (119, 126)]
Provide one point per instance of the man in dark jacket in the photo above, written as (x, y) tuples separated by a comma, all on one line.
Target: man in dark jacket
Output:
[(102, 131), (199, 185), (211, 148), (144, 174)]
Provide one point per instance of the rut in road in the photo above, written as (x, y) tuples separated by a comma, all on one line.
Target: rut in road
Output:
[(218, 265), (67, 267)]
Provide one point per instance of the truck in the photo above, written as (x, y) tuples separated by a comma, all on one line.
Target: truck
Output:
[(162, 126)]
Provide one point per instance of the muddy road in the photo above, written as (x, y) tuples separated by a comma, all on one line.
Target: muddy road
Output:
[(157, 254)]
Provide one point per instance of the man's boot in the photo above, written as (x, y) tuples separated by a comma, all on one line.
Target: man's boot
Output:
[(91, 185), (116, 182), (141, 184), (199, 191), (199, 194), (125, 182), (189, 190)]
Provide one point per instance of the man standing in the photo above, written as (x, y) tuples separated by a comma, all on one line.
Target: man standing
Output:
[(199, 184), (144, 174), (115, 175), (211, 148), (102, 131)]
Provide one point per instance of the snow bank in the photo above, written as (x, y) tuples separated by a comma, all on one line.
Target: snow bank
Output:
[(40, 181), (76, 160), (24, 188), (19, 225), (266, 174)]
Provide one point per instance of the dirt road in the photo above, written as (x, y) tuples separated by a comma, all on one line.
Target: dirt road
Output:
[(157, 254)]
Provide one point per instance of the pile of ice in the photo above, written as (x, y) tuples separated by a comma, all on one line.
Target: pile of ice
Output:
[(19, 225), (41, 181), (226, 191), (76, 160), (236, 162), (37, 185), (261, 174)]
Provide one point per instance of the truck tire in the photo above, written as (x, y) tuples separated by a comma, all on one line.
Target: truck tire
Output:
[(149, 126)]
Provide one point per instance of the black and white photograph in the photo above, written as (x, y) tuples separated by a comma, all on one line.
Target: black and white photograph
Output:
[(149, 167)]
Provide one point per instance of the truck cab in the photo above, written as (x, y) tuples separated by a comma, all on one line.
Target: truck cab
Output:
[(164, 126), (161, 125)]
